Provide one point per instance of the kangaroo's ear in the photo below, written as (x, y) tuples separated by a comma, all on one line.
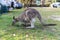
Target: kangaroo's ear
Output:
[(13, 17)]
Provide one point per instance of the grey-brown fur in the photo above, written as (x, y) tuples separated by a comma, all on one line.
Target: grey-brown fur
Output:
[(27, 16)]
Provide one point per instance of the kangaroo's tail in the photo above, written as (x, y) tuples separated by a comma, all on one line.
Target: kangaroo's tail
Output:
[(42, 21)]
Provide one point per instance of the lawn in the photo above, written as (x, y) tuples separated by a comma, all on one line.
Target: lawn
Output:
[(9, 32)]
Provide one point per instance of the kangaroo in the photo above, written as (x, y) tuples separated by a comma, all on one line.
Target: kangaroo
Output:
[(28, 16)]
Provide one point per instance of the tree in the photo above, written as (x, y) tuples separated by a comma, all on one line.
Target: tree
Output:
[(43, 2), (58, 0)]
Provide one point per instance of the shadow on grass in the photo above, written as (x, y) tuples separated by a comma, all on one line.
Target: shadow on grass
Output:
[(41, 27)]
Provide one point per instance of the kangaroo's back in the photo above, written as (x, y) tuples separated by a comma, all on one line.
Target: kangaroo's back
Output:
[(32, 13)]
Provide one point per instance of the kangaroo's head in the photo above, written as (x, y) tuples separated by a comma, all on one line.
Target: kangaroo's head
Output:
[(14, 20)]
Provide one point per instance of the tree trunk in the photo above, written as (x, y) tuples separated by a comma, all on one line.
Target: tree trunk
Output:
[(43, 2)]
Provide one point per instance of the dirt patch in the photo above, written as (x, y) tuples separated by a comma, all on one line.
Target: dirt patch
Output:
[(55, 17)]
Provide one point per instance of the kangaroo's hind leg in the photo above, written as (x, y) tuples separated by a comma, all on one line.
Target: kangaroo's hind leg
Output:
[(32, 23)]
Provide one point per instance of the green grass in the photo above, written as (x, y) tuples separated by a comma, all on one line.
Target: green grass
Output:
[(38, 33)]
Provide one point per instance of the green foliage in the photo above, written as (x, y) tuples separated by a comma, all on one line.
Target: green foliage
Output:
[(58, 0)]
